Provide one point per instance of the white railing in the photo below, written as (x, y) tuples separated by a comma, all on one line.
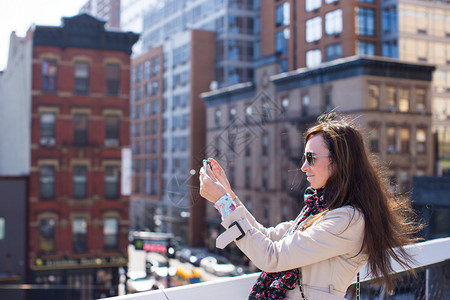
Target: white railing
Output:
[(237, 288)]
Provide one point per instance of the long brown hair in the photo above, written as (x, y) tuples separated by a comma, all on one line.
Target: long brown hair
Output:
[(356, 181)]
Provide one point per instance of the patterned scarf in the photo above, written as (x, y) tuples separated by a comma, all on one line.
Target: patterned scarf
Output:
[(273, 286)]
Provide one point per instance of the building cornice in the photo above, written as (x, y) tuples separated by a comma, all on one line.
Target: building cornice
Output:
[(84, 31), (231, 93), (351, 67)]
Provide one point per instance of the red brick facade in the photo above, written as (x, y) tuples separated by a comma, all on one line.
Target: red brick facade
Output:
[(78, 219)]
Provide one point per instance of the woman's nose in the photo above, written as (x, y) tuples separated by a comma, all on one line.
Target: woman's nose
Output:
[(305, 166)]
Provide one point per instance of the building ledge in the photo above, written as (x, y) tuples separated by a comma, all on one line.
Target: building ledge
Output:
[(425, 254)]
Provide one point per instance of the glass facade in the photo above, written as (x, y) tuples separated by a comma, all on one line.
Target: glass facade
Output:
[(333, 22), (365, 21), (313, 29)]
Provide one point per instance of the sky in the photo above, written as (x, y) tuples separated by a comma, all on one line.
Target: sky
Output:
[(19, 15)]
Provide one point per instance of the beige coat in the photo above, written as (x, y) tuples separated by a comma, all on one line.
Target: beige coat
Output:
[(328, 252)]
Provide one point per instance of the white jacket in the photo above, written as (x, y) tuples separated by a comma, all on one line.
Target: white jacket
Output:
[(328, 252)]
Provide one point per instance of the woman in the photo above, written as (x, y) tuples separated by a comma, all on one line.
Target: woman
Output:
[(349, 219)]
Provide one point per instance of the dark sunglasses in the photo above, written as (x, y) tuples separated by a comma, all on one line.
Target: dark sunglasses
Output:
[(311, 158)]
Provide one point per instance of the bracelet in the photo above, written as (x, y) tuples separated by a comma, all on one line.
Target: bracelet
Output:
[(225, 205)]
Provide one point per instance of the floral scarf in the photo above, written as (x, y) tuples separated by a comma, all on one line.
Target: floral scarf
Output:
[(274, 285)]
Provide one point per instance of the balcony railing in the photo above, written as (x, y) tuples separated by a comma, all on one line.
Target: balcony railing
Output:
[(432, 263)]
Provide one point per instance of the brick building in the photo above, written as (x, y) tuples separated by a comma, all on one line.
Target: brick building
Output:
[(78, 104), (304, 34), (261, 145)]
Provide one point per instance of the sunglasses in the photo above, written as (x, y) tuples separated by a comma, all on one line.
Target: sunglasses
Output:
[(311, 158)]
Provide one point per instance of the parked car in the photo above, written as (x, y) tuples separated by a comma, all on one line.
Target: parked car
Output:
[(191, 255), (218, 266), (158, 266)]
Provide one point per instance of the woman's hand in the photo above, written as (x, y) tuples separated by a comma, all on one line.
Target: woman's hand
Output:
[(220, 175), (210, 188)]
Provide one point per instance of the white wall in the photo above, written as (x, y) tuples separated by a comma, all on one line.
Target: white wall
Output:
[(15, 110)]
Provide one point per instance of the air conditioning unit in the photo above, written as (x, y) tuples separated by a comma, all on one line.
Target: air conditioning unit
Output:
[(111, 143), (47, 141), (392, 108)]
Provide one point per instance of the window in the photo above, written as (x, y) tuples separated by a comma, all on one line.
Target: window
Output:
[(366, 48), (365, 21), (265, 145), (112, 131), (47, 182), (313, 58), (265, 178), (374, 96), (79, 181), (389, 21), (154, 146), (248, 177), (47, 129), (333, 51), (139, 73), (328, 101), (390, 49), (2, 228), (284, 212), (112, 79), (111, 233), (333, 22), (265, 114), (330, 1), (266, 210), (374, 137), (154, 187), (147, 70), (421, 140), (81, 77), (312, 4), (313, 29), (391, 98), (284, 179), (404, 140), (47, 235), (281, 41), (391, 140), (155, 88), (439, 222), (392, 179), (112, 182), (49, 72), (80, 126), (217, 145), (248, 113), (282, 65), (217, 116), (155, 107), (155, 126), (248, 147), (282, 14), (156, 66), (403, 101), (138, 94), (420, 100), (231, 144), (366, 1), (79, 234), (232, 114), (284, 142), (305, 105), (404, 177), (284, 107)]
